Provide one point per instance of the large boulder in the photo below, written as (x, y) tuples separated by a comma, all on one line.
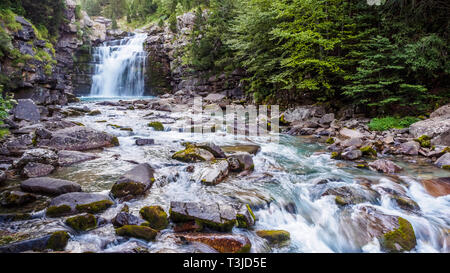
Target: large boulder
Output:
[(125, 219), (215, 98), (155, 216), (437, 186), (222, 243), (409, 148), (347, 195), (135, 182), (78, 138), (78, 202), (437, 127), (442, 111), (241, 162), (47, 185), (212, 173), (193, 154), (67, 158), (349, 133), (216, 216), (139, 232), (33, 169), (385, 166), (302, 113), (27, 110), (43, 156), (443, 161)]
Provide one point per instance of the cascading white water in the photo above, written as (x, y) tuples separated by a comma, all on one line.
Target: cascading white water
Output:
[(120, 68)]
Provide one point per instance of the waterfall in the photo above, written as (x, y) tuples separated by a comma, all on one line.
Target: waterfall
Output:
[(119, 68)]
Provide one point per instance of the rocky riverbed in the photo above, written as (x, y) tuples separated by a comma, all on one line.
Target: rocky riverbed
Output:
[(124, 176)]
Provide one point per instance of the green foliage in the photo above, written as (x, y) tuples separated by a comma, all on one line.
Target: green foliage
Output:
[(386, 123)]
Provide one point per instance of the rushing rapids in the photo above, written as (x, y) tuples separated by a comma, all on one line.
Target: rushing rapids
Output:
[(119, 69)]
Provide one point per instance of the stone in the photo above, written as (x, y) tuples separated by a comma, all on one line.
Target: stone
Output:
[(58, 240), (443, 161), (139, 232), (357, 142), (126, 219), (193, 154), (245, 217), (79, 138), (351, 154), (77, 202), (349, 133), (385, 166), (155, 216), (43, 156), (442, 111), (214, 98), (437, 128), (27, 110), (301, 113), (212, 173), (251, 149), (409, 148), (437, 186), (327, 119), (222, 243), (135, 182), (82, 222), (34, 169), (144, 142), (16, 198), (157, 126), (346, 195), (212, 148), (241, 162), (35, 244), (68, 158), (47, 185), (191, 226), (275, 237), (216, 216)]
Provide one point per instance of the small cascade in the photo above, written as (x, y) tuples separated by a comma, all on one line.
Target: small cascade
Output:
[(120, 68)]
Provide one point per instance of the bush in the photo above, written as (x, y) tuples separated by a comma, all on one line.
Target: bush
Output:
[(386, 123)]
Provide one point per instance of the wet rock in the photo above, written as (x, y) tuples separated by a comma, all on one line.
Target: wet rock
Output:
[(251, 149), (213, 149), (223, 243), (352, 153), (3, 177), (193, 154), (409, 148), (241, 162), (36, 244), (67, 158), (191, 226), (356, 142), (135, 182), (216, 216), (16, 198), (327, 119), (275, 237), (79, 138), (245, 217), (43, 156), (437, 186), (144, 142), (47, 185), (26, 110), (58, 240), (443, 161), (346, 195), (76, 202), (140, 232), (82, 222), (126, 219), (155, 216), (212, 173), (437, 128), (349, 133), (302, 113), (405, 203), (94, 113), (385, 166), (215, 98), (301, 131), (33, 169), (157, 126)]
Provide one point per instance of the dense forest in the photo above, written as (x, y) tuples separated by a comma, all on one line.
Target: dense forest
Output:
[(389, 56)]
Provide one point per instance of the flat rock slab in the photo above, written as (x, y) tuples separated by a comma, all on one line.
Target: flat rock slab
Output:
[(67, 158), (134, 182), (47, 185), (26, 245), (251, 149), (223, 243), (212, 173), (220, 217), (75, 199), (33, 169), (438, 186)]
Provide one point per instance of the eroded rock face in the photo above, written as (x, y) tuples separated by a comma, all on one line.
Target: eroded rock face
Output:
[(47, 185), (223, 243), (385, 166), (134, 182), (219, 217)]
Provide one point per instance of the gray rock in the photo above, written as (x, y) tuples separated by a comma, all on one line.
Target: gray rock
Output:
[(144, 142), (241, 162), (125, 219), (67, 158), (437, 128), (134, 182), (442, 111), (34, 169), (326, 119), (356, 142), (351, 154), (302, 113), (212, 173), (212, 148), (409, 148), (349, 133), (251, 149), (47, 185), (385, 166), (26, 110), (43, 156), (443, 161), (215, 98), (74, 199), (37, 244), (16, 198)]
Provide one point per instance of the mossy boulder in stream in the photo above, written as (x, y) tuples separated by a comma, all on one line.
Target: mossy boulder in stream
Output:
[(400, 239), (156, 125), (76, 202), (193, 154), (135, 182), (156, 217), (245, 217), (368, 151), (275, 237), (223, 243), (82, 222), (424, 141), (58, 240), (95, 207), (140, 232)]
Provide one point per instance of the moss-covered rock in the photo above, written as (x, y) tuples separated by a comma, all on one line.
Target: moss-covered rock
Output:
[(56, 211), (400, 239), (330, 141), (58, 240), (223, 243), (335, 155), (158, 126), (94, 113), (245, 217), (424, 141), (156, 217), (115, 141), (82, 222), (193, 154), (135, 182), (140, 232), (95, 207), (368, 151), (275, 237)]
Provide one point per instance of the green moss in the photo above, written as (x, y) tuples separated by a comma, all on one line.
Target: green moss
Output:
[(275, 237), (368, 151), (330, 141), (140, 232), (56, 211), (9, 19), (82, 222), (283, 120), (156, 217), (78, 123), (95, 207), (361, 166), (340, 201), (446, 167), (180, 218), (58, 241), (126, 188), (189, 155), (94, 113), (425, 141), (335, 155), (126, 129), (401, 239), (386, 123), (245, 249), (115, 141), (158, 126)]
